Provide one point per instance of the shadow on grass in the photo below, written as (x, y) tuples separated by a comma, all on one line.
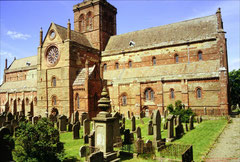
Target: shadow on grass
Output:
[(70, 159), (125, 156)]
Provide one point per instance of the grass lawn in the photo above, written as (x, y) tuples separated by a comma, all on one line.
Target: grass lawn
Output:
[(202, 137)]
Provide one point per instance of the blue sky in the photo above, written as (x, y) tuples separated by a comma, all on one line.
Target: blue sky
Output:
[(20, 21)]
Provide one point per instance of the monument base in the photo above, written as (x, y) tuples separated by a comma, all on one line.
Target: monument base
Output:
[(111, 156)]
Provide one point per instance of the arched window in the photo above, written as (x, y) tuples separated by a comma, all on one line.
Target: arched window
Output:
[(81, 23), (27, 101), (176, 58), (116, 65), (105, 67), (77, 99), (172, 93), (154, 61), (199, 55), (124, 100), (199, 93), (54, 81), (89, 21), (129, 64), (149, 94), (54, 100), (35, 101)]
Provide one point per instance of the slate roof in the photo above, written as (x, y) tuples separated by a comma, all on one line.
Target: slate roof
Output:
[(21, 64), (75, 36), (181, 32), (19, 86), (80, 79), (194, 70)]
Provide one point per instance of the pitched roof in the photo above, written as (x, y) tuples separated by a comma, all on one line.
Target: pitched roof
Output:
[(19, 86), (75, 36), (80, 79), (193, 70), (23, 63), (181, 32)]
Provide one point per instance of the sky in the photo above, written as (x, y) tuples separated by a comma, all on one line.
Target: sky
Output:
[(20, 21)]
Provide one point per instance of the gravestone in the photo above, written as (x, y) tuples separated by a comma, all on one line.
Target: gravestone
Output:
[(86, 127), (116, 129), (76, 130), (170, 134), (35, 120), (191, 126), (139, 146), (70, 127), (149, 147), (127, 138), (139, 134), (63, 123), (76, 117), (186, 126), (129, 115), (157, 125), (92, 141), (200, 119), (165, 114), (133, 120), (150, 128), (123, 120), (83, 151), (96, 157), (205, 111), (84, 116), (9, 117), (85, 139)]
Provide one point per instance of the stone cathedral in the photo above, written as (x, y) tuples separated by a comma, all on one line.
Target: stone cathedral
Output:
[(142, 70)]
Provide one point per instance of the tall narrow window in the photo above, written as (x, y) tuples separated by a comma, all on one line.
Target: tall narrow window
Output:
[(130, 64), (77, 101), (124, 100), (176, 58), (199, 93), (172, 93), (200, 55), (105, 67), (54, 100), (54, 82), (27, 101), (149, 94), (89, 21), (116, 65), (154, 61), (81, 23)]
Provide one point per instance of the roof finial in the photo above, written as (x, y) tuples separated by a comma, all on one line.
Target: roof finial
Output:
[(41, 37), (219, 10)]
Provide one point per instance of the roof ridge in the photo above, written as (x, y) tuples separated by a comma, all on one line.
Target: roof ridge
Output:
[(26, 57)]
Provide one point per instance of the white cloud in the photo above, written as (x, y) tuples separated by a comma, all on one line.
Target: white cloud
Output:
[(16, 35), (7, 54)]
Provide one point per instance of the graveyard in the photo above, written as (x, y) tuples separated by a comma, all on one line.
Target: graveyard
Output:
[(111, 136)]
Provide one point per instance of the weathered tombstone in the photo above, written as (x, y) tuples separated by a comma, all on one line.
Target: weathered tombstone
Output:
[(96, 157), (157, 125), (35, 120), (83, 151), (123, 120), (129, 115), (200, 120), (186, 126), (127, 139), (170, 134), (139, 134), (133, 123), (84, 116), (85, 139), (9, 117), (86, 127), (165, 114), (92, 141), (150, 128), (116, 129), (191, 126), (63, 123), (76, 117), (149, 147), (139, 146), (6, 146), (70, 127), (76, 131)]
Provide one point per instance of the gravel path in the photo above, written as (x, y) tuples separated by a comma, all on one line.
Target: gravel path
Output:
[(227, 148)]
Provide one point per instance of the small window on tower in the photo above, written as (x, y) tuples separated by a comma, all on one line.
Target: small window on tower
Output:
[(116, 65), (105, 67), (199, 93), (172, 93), (54, 100), (54, 82), (176, 58), (200, 55), (130, 64), (154, 61)]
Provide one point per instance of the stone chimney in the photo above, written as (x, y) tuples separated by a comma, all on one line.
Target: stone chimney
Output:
[(5, 63), (41, 37), (219, 19)]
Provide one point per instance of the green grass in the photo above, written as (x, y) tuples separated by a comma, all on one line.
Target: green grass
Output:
[(202, 137)]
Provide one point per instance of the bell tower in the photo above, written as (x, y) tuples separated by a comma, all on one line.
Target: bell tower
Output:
[(96, 19)]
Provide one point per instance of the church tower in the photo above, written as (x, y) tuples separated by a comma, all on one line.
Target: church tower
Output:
[(96, 19)]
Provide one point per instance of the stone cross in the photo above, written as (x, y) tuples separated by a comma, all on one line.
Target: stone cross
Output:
[(133, 123)]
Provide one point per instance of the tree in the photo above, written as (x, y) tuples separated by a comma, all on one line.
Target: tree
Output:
[(234, 85), (38, 142)]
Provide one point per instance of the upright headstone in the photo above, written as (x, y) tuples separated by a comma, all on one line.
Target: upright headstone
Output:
[(133, 120), (86, 127), (149, 147), (139, 134), (35, 120), (139, 146), (85, 138), (157, 125), (83, 151), (9, 117), (76, 131), (63, 123), (191, 126), (170, 134), (70, 127), (96, 157), (127, 139), (116, 128), (76, 117), (84, 116), (129, 117), (150, 128), (92, 141)]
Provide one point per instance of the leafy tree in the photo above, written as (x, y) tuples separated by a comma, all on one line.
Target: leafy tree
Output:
[(180, 110), (38, 142), (234, 84)]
